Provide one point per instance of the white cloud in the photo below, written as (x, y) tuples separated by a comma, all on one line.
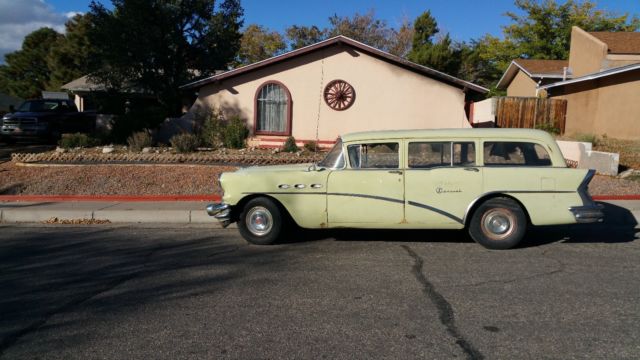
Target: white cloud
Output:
[(19, 18)]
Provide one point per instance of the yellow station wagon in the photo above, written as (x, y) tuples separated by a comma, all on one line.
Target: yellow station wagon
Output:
[(492, 182)]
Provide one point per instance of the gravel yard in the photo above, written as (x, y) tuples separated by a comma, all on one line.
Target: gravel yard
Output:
[(167, 180)]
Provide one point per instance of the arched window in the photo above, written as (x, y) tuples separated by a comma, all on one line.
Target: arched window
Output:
[(273, 109)]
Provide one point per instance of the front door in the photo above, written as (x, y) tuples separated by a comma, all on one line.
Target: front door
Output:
[(370, 190)]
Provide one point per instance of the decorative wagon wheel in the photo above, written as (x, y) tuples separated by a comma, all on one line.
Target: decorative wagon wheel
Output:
[(339, 95)]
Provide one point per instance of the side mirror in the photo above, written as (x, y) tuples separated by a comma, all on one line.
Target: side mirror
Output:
[(12, 108)]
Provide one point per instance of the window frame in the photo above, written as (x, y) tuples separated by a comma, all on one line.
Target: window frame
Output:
[(544, 146), (452, 143), (289, 111), (399, 143)]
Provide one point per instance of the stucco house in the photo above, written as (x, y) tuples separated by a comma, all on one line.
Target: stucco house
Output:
[(524, 76), (333, 87), (603, 97)]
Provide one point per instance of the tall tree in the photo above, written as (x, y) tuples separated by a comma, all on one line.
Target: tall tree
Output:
[(258, 43), (26, 72), (435, 53), (68, 58), (301, 36), (159, 45), (402, 39), (362, 27)]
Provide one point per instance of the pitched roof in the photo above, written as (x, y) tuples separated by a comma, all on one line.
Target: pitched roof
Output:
[(83, 84), (342, 40), (594, 76), (534, 69), (620, 42)]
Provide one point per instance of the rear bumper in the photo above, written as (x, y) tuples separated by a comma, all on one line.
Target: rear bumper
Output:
[(588, 214), (220, 211)]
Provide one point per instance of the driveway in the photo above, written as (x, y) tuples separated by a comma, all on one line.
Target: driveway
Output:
[(198, 292)]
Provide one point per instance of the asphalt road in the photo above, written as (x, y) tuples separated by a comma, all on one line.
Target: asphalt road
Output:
[(119, 292)]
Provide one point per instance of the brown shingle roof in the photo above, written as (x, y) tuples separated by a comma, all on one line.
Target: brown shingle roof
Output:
[(547, 67), (620, 42)]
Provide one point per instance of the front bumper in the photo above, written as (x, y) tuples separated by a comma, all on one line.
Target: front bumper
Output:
[(220, 211), (588, 213)]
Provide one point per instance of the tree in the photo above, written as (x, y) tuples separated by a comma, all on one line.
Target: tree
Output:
[(26, 72), (159, 45), (68, 58), (258, 43), (301, 36), (402, 39), (362, 27), (438, 54)]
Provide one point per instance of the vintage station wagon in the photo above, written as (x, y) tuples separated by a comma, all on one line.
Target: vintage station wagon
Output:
[(492, 182)]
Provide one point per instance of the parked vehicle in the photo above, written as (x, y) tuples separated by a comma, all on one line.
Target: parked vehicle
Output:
[(494, 183), (45, 119)]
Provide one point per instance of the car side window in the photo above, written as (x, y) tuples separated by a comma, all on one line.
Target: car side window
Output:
[(374, 156), (503, 153), (424, 155)]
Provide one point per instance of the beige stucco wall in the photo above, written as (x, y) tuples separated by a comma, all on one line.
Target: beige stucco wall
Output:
[(387, 96), (608, 106), (521, 85), (586, 54)]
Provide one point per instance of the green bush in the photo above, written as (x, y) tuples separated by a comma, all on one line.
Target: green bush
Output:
[(185, 143), (70, 141), (140, 140), (548, 127), (235, 133), (211, 127), (311, 146), (290, 145), (591, 138)]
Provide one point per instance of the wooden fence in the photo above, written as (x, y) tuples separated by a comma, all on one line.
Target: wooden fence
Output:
[(531, 113)]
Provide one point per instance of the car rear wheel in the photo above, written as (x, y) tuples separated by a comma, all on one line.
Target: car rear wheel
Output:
[(261, 221), (498, 223)]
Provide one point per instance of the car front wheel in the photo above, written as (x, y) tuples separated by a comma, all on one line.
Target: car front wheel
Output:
[(498, 223), (261, 221)]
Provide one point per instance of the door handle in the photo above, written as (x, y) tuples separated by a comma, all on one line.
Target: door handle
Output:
[(472, 169), (399, 172)]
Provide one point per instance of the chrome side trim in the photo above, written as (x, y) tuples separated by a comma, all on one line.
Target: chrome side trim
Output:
[(588, 213), (436, 210)]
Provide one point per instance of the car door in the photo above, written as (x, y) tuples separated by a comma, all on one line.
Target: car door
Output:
[(369, 192), (441, 180)]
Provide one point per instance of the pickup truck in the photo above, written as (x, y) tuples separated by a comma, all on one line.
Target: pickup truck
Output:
[(45, 119)]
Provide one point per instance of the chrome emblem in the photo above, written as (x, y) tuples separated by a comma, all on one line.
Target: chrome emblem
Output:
[(284, 186)]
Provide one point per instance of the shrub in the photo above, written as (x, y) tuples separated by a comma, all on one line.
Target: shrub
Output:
[(548, 127), (591, 138), (211, 128), (235, 133), (70, 141), (140, 140), (290, 145), (311, 146), (184, 143)]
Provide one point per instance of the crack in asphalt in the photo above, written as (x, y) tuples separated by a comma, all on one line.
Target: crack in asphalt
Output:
[(445, 310), (11, 339)]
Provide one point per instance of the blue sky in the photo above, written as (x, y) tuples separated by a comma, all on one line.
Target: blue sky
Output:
[(463, 19)]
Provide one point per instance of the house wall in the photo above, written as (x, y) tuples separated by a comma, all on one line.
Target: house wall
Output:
[(586, 53), (522, 85), (608, 106), (617, 60), (387, 96)]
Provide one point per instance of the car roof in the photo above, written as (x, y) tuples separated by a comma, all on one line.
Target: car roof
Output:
[(449, 133)]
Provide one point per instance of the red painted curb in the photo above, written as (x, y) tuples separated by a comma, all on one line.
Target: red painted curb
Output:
[(616, 197), (115, 198)]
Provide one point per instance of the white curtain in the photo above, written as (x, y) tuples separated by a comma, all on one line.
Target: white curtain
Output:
[(272, 109)]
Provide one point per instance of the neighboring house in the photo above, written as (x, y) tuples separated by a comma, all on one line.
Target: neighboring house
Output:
[(603, 97), (6, 101), (333, 87), (523, 76), (87, 92)]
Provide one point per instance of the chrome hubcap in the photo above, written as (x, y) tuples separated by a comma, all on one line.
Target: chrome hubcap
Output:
[(259, 221), (498, 224)]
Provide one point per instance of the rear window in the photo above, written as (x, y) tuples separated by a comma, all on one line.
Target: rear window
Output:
[(502, 153), (424, 155)]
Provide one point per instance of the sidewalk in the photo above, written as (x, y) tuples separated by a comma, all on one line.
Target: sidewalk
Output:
[(136, 210)]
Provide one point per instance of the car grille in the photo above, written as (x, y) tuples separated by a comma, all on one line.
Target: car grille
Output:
[(20, 121)]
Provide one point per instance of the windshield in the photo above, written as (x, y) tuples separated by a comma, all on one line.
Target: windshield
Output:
[(335, 158), (38, 106)]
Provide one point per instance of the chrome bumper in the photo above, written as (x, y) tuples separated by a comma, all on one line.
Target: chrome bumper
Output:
[(588, 214), (220, 211)]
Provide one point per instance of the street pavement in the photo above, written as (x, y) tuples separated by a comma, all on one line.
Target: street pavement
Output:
[(194, 291)]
